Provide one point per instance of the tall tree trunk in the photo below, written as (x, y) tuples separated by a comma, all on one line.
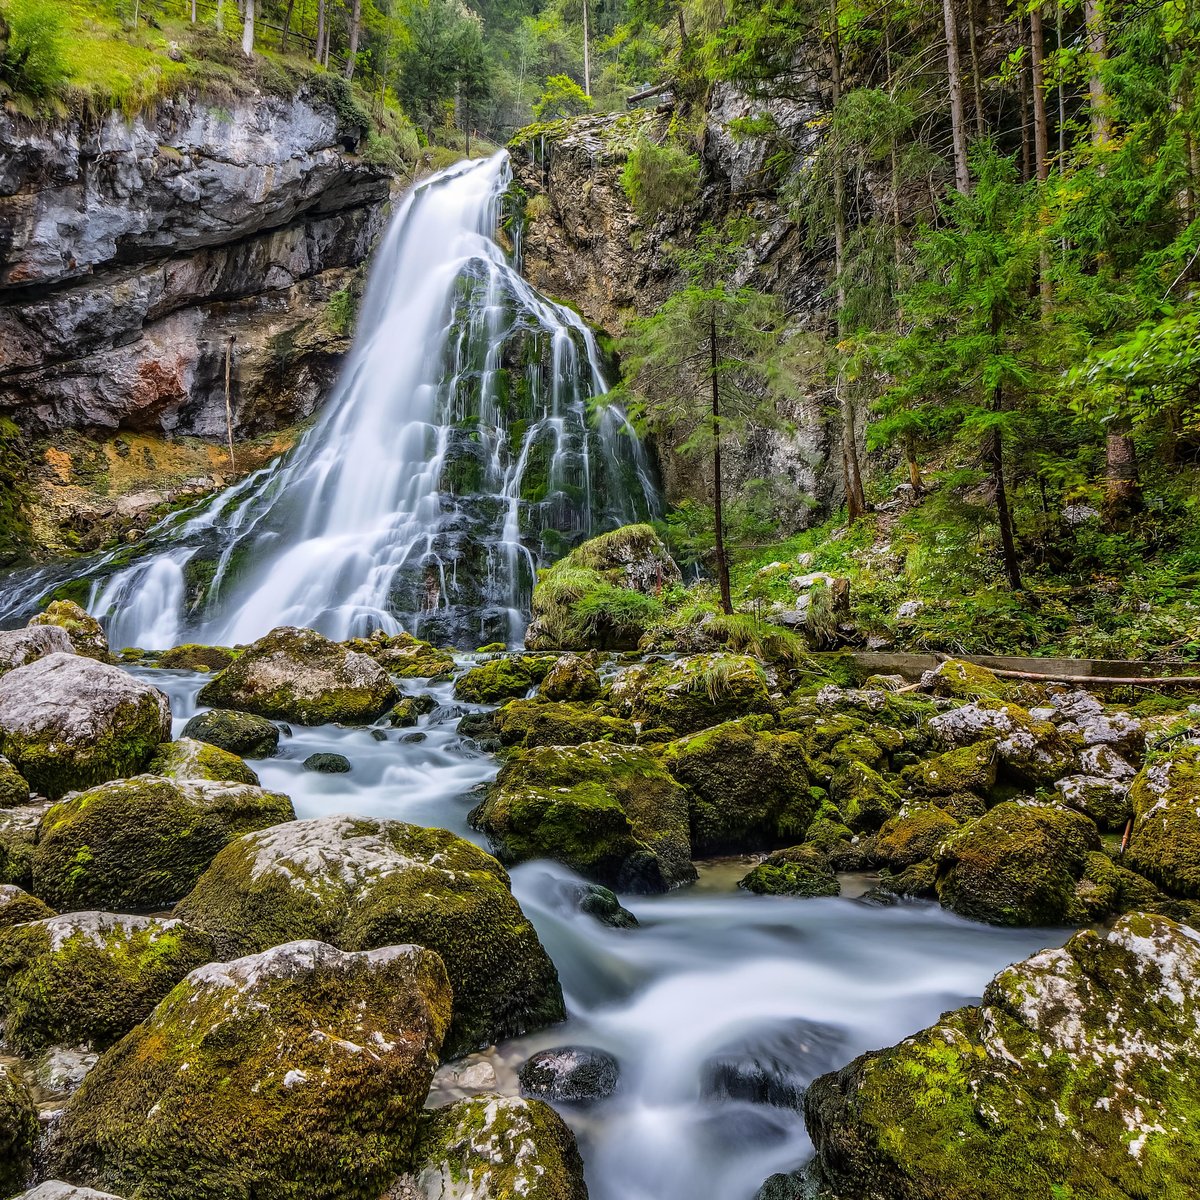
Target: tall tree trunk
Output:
[(193, 12), (976, 73), (248, 29), (718, 500), (320, 43), (1093, 20), (897, 238), (1062, 91), (287, 20), (1122, 483), (355, 27), (1026, 142), (220, 16), (587, 53), (993, 458), (1041, 141), (962, 171)]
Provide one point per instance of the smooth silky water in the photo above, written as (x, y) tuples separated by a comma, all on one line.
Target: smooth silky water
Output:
[(710, 975)]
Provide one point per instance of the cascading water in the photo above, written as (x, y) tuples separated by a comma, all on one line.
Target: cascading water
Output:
[(455, 456)]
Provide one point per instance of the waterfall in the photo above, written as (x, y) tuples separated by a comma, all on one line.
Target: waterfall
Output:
[(454, 457)]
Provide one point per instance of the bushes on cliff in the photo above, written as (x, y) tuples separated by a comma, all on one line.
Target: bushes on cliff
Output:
[(659, 179)]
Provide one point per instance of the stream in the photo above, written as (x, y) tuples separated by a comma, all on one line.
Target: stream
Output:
[(714, 987)]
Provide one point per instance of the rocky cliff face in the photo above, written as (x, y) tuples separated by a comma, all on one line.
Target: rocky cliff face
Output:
[(583, 242), (132, 256)]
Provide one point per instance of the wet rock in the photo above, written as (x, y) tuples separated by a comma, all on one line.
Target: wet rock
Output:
[(18, 835), (502, 679), (14, 790), (747, 790), (327, 764), (1104, 799), (772, 1065), (837, 843), (18, 906), (1034, 752), (55, 1189), (1018, 864), (18, 1130), (796, 871), (493, 1148), (193, 657), (481, 729), (404, 656), (87, 978), (360, 883), (863, 797), (969, 769), (547, 723), (19, 647), (143, 842), (571, 678), (1165, 846), (913, 835), (298, 675), (1076, 1075), (84, 632), (570, 1075), (189, 758), (960, 680), (240, 733), (69, 722), (1080, 713), (608, 811), (298, 1071), (409, 709), (61, 1070), (602, 903)]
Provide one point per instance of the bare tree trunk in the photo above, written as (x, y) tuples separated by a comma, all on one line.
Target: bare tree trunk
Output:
[(193, 12), (718, 501), (1122, 483), (993, 458), (248, 29), (1026, 145), (976, 73), (320, 30), (587, 53), (1041, 141), (287, 20), (355, 27), (1093, 19), (1062, 91), (962, 171)]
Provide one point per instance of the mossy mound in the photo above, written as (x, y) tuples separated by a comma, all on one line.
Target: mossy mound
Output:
[(747, 789), (969, 769), (14, 789), (188, 758), (18, 836), (18, 1130), (913, 835), (961, 680), (240, 733), (1165, 845), (495, 1148), (1031, 751), (608, 811), (87, 978), (1018, 864), (194, 657), (296, 1074), (796, 871), (85, 632), (689, 694), (547, 723), (404, 656), (328, 764), (1106, 888), (502, 679), (68, 722), (17, 906), (863, 797), (298, 675), (571, 678), (1105, 800), (143, 842), (409, 709), (361, 883), (1076, 1077), (604, 594)]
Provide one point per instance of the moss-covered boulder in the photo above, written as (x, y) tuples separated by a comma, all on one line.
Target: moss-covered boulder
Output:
[(686, 695), (1018, 864), (69, 722), (18, 836), (18, 1130), (864, 798), (747, 789), (1165, 846), (1077, 1076), (19, 647), (295, 1074), (913, 835), (55, 1189), (796, 871), (361, 883), (404, 656), (570, 1075), (85, 633), (240, 733), (194, 657), (608, 811), (190, 758), (87, 978), (494, 1148), (603, 594), (14, 789), (17, 906), (545, 723), (832, 837), (298, 675), (503, 678), (1104, 799), (408, 710), (328, 764), (968, 769), (143, 842), (1107, 888), (1034, 752), (571, 677), (961, 680)]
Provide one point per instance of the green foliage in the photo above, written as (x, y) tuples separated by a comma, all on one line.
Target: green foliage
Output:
[(660, 179), (340, 310), (34, 62), (563, 97)]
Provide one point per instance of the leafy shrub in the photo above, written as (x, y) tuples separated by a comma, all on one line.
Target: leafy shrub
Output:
[(658, 179), (34, 61), (563, 97)]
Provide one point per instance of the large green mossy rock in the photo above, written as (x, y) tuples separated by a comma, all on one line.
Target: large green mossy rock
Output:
[(18, 836), (17, 906), (571, 678), (1032, 751), (494, 1148), (295, 1074), (239, 733), (961, 680), (747, 789), (14, 788), (18, 1130), (143, 842), (403, 655), (863, 797), (298, 675), (1166, 831), (1018, 864), (194, 657), (610, 812), (502, 679), (360, 883), (686, 695), (545, 723), (1078, 1076), (955, 772), (69, 722), (85, 633), (796, 871), (87, 978), (914, 834), (188, 758)]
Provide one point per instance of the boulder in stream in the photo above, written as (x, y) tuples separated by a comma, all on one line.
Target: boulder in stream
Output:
[(797, 871), (17, 906), (240, 733), (1165, 846), (570, 1075), (571, 678), (502, 678), (189, 758), (19, 647), (557, 723), (84, 632), (18, 1130)]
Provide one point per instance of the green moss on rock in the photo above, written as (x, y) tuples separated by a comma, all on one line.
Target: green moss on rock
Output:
[(912, 835), (188, 758), (544, 723), (18, 1130), (143, 842), (194, 657), (87, 978), (968, 769), (796, 871), (1030, 751), (17, 906), (961, 680), (404, 656), (239, 733), (18, 835), (571, 678), (14, 789), (85, 632), (864, 798), (1165, 846), (502, 678)]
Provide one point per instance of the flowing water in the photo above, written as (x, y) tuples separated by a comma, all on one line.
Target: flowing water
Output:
[(455, 456), (714, 992)]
